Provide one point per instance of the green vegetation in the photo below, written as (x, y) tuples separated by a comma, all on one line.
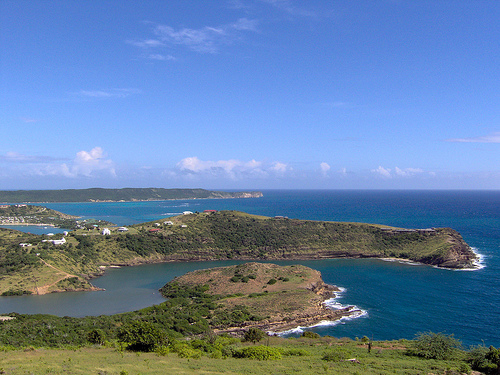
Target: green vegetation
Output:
[(182, 335), (115, 195), (225, 355), (435, 346), (207, 236)]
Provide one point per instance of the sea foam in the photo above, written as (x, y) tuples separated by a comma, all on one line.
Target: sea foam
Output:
[(332, 304)]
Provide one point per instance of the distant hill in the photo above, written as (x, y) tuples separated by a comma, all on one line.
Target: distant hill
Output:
[(116, 195)]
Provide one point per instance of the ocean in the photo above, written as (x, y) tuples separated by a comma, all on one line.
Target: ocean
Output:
[(398, 300)]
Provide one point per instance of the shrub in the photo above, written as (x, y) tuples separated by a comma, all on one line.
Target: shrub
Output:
[(254, 335), (432, 345), (259, 352), (141, 336), (335, 355), (216, 354), (187, 352), (297, 352), (310, 335), (161, 350), (97, 337), (272, 281)]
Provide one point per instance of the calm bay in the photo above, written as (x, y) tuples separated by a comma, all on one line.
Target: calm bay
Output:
[(400, 299)]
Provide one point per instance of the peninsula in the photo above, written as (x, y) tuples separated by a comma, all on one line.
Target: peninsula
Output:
[(116, 195), (39, 264), (276, 298)]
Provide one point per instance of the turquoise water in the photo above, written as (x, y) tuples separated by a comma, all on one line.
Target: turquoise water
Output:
[(400, 300)]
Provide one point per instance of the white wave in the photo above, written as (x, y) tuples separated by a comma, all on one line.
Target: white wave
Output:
[(332, 304), (478, 263), (171, 213), (401, 261)]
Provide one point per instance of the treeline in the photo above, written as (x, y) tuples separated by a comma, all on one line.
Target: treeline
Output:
[(187, 312), (125, 194)]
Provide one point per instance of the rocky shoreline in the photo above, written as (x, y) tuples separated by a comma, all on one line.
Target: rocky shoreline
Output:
[(309, 317)]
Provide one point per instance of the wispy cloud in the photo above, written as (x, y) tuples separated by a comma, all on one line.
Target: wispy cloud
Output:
[(28, 120), (491, 138), (15, 157), (160, 57), (290, 8), (208, 39), (109, 93)]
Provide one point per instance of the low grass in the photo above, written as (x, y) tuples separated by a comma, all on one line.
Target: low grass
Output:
[(300, 356)]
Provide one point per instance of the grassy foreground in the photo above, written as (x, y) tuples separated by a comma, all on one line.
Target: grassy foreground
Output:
[(300, 356)]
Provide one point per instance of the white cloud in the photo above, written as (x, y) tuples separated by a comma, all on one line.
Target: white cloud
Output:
[(279, 167), (325, 167), (384, 172), (407, 172), (85, 164), (398, 172), (491, 138), (232, 168)]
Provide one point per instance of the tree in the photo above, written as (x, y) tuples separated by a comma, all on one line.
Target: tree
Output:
[(96, 336), (141, 336), (254, 335), (432, 345)]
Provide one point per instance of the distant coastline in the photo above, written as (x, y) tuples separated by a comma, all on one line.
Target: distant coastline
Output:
[(117, 195)]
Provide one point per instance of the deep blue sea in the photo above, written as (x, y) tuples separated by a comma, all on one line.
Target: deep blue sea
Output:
[(400, 300)]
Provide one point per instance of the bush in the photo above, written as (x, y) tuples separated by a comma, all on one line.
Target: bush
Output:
[(310, 335), (141, 336), (254, 335), (485, 359), (259, 352), (432, 345), (272, 281), (335, 355), (161, 350), (96, 336), (296, 352)]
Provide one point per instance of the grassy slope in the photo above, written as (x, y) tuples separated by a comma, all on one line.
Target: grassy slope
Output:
[(221, 235), (385, 358)]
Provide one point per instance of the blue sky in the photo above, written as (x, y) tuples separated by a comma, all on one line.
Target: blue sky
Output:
[(250, 94)]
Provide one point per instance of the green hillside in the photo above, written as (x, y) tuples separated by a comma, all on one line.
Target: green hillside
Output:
[(211, 236)]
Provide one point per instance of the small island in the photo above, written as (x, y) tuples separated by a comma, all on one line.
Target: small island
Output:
[(277, 298)]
